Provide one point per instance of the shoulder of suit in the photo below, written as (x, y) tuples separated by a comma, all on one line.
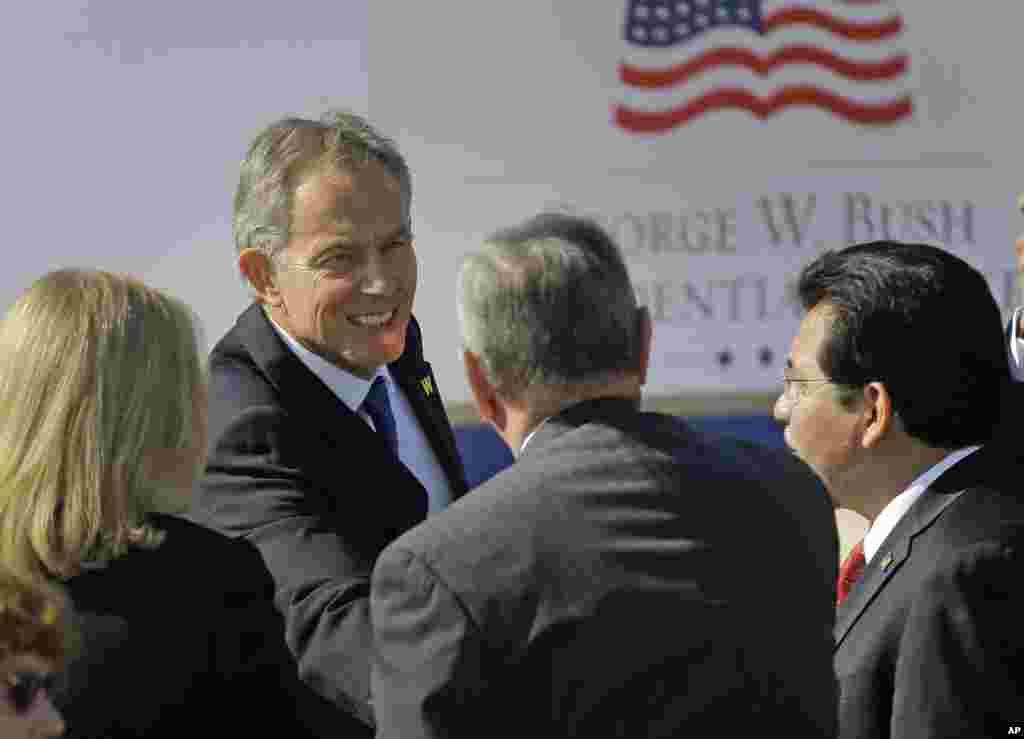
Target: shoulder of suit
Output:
[(236, 383), (504, 511), (979, 513), (987, 568)]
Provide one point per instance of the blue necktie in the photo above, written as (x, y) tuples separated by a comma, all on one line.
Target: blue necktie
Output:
[(378, 408)]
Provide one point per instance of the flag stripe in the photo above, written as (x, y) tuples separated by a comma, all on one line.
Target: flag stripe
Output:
[(797, 95), (648, 78), (862, 12), (857, 51), (733, 78), (875, 31)]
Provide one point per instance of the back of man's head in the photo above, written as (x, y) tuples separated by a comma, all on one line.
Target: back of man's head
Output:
[(549, 303), (921, 321)]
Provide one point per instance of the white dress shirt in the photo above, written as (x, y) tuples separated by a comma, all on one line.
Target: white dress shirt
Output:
[(522, 447), (414, 448), (1016, 347), (886, 521)]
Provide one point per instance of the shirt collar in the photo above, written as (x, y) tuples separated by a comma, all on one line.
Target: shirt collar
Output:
[(522, 447), (886, 521), (1014, 344), (351, 390)]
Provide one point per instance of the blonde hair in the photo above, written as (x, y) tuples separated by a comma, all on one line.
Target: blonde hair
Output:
[(97, 371)]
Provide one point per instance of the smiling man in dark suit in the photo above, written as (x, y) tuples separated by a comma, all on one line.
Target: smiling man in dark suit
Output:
[(626, 576), (329, 438), (893, 393)]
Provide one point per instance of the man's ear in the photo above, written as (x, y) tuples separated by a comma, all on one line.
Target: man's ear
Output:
[(488, 404), (646, 338), (256, 266), (879, 416)]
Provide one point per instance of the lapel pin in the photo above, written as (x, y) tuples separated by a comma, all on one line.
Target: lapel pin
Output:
[(887, 562), (428, 386)]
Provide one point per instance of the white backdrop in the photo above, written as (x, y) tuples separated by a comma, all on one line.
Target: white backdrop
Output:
[(126, 122), (507, 108)]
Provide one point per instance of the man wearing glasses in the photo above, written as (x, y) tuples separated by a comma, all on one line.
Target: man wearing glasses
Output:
[(892, 394)]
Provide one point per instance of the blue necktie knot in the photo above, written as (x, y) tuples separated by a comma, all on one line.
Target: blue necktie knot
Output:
[(378, 408)]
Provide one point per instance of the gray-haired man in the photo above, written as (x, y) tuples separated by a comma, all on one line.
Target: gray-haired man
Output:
[(626, 576), (328, 435)]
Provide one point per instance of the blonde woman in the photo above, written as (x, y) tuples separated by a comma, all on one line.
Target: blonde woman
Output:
[(103, 432), (35, 638)]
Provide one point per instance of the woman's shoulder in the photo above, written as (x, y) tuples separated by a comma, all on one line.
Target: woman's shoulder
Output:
[(191, 565), (199, 555)]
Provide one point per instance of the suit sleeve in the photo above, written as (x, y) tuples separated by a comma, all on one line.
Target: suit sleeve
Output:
[(317, 543), (427, 674), (959, 666)]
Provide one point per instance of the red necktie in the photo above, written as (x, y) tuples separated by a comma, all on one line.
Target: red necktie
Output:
[(850, 570)]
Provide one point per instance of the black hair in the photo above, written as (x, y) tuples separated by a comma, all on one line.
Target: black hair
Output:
[(922, 322)]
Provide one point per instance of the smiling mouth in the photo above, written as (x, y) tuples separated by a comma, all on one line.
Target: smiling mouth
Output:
[(373, 320)]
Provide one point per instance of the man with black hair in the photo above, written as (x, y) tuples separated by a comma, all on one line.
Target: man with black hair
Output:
[(892, 394)]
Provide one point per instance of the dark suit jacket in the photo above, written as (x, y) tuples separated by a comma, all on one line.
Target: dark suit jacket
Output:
[(174, 642), (929, 641), (625, 577), (307, 481)]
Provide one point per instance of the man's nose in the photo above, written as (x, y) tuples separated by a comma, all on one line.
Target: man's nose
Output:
[(377, 276), (780, 411)]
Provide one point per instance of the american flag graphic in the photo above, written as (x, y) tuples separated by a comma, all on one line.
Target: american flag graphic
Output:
[(686, 58)]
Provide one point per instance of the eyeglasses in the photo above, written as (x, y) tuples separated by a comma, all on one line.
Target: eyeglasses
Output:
[(792, 387), (23, 688)]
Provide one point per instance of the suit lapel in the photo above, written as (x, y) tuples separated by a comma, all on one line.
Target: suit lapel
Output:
[(306, 395), (306, 392), (299, 388), (414, 375), (898, 545)]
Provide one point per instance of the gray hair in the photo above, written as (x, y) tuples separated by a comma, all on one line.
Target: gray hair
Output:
[(286, 151), (549, 302)]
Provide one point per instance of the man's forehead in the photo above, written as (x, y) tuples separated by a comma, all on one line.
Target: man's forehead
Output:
[(349, 202), (358, 185)]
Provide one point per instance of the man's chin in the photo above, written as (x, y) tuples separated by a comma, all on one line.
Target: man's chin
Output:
[(391, 343), (385, 351)]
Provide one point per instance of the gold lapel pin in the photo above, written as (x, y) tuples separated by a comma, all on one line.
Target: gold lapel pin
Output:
[(428, 386), (887, 562)]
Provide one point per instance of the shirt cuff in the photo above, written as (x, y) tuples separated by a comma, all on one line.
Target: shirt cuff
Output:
[(1016, 347)]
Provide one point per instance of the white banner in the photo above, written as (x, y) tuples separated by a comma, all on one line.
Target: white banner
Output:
[(722, 156)]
